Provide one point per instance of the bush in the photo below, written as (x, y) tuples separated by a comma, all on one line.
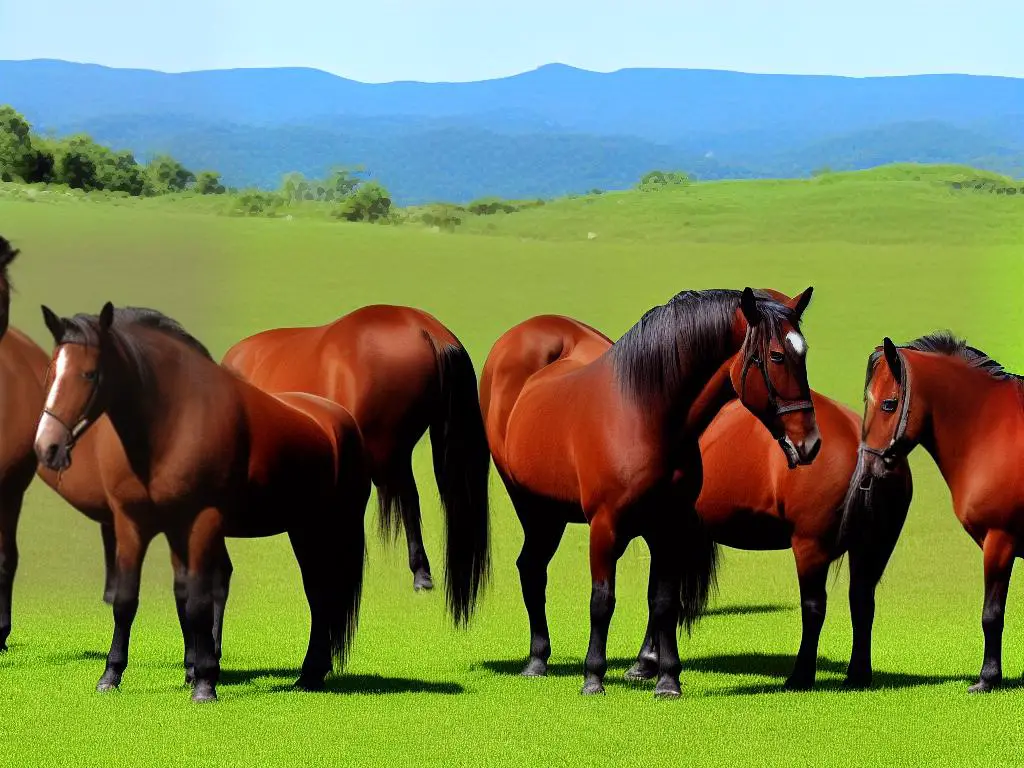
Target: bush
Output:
[(256, 203), (655, 180), (370, 202)]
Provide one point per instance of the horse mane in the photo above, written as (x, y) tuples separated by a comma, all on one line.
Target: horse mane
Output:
[(683, 338), (8, 253), (84, 328), (945, 343)]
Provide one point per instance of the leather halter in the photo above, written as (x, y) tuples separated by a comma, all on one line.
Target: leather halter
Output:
[(888, 453), (86, 418), (774, 399)]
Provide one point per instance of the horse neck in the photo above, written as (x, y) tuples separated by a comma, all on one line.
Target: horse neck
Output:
[(145, 404), (958, 400)]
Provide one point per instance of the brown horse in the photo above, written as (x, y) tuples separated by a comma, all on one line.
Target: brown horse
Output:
[(750, 500), (612, 441), (190, 450), (22, 367), (968, 413), (399, 371)]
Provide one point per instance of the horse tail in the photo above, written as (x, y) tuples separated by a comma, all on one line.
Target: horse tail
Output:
[(700, 571), (349, 556), (462, 464)]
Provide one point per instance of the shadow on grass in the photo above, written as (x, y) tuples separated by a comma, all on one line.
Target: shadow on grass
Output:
[(771, 665), (343, 683)]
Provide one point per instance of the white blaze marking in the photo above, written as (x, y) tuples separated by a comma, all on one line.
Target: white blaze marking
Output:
[(59, 370), (796, 341)]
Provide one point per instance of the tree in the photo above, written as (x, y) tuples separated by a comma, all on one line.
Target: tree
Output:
[(19, 160), (168, 175), (370, 202), (208, 183)]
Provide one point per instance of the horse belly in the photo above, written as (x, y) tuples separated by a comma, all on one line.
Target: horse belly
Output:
[(746, 528)]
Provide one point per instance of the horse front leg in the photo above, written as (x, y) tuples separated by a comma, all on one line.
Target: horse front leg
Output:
[(999, 550), (605, 549), (812, 561)]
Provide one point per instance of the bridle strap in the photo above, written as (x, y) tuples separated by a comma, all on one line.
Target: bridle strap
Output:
[(85, 419), (788, 406), (901, 425)]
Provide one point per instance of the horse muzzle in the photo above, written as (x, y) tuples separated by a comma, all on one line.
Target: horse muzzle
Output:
[(53, 444), (802, 453)]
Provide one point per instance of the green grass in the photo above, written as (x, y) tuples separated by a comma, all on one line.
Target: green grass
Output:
[(882, 261)]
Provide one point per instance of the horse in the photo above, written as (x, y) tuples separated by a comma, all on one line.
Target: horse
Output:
[(751, 501), (190, 450), (399, 371), (968, 413), (22, 367), (610, 438)]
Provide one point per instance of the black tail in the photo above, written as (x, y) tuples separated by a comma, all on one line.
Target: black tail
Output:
[(349, 557), (462, 465), (700, 571)]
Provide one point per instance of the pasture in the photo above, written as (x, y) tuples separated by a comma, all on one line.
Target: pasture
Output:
[(897, 258)]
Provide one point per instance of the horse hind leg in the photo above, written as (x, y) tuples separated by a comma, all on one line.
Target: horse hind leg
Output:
[(542, 534), (646, 665), (999, 550), (109, 562), (311, 558), (399, 489)]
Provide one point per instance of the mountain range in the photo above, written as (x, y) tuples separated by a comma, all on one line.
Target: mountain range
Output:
[(547, 132)]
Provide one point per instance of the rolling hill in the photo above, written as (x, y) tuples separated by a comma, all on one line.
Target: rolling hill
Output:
[(546, 132)]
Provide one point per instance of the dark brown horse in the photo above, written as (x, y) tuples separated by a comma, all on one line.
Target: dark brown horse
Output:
[(751, 500), (22, 367), (192, 451), (613, 441), (399, 371), (968, 413)]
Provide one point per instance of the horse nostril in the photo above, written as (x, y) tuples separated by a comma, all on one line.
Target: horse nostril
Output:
[(50, 455)]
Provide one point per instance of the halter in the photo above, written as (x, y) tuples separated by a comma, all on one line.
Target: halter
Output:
[(76, 430), (887, 453), (788, 406)]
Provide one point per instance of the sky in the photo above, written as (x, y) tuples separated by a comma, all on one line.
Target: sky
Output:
[(459, 40)]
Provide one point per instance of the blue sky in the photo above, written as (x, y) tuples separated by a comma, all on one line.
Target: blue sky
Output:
[(435, 40)]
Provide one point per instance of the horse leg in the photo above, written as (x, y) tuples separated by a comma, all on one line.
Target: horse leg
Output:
[(541, 537), (109, 562), (307, 546), (812, 561), (10, 511), (646, 665), (664, 608), (999, 550), (131, 550), (862, 616), (409, 504), (605, 550), (221, 586), (180, 568)]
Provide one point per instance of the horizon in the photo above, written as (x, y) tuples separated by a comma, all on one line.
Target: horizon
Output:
[(547, 65), (452, 41)]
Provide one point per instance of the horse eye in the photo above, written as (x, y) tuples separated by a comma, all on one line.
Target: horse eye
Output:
[(777, 357), (89, 375), (889, 406)]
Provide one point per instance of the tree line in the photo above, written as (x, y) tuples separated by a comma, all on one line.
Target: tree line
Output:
[(79, 162)]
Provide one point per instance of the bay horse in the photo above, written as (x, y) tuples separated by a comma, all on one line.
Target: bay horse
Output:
[(610, 439), (750, 500), (399, 371), (968, 413), (191, 450), (22, 368)]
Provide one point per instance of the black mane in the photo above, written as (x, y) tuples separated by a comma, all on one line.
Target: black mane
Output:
[(945, 343), (686, 337), (84, 328)]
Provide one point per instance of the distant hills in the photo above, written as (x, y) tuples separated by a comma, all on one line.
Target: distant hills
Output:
[(551, 131)]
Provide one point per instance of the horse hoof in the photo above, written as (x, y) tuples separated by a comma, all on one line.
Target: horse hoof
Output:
[(639, 671), (592, 689), (667, 688), (106, 685), (535, 668), (422, 580), (982, 686), (204, 691), (309, 684), (798, 684)]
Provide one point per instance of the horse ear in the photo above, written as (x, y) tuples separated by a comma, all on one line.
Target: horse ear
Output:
[(53, 323), (748, 303), (106, 317), (802, 301), (892, 357)]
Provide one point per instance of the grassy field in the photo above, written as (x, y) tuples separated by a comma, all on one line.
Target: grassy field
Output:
[(885, 258)]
